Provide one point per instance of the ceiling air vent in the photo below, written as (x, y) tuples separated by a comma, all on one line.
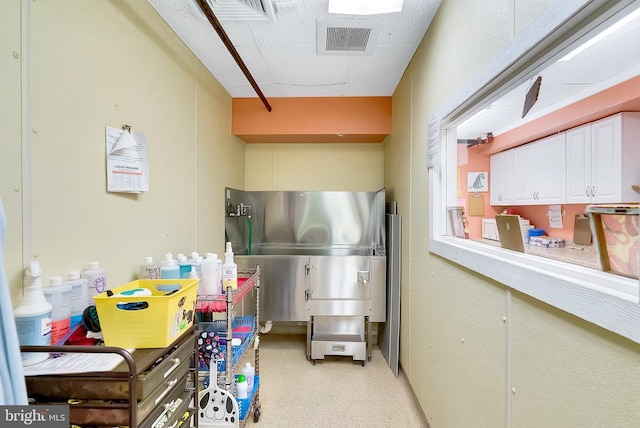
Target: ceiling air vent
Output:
[(243, 10), (343, 37)]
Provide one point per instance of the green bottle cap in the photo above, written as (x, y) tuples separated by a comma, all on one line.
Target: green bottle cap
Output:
[(241, 378)]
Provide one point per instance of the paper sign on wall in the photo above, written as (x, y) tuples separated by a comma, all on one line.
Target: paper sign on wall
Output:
[(127, 161)]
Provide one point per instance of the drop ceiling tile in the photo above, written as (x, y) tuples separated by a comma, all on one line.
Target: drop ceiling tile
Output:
[(281, 54), (302, 66)]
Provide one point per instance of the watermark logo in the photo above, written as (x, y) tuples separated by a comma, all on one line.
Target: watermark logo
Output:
[(51, 416)]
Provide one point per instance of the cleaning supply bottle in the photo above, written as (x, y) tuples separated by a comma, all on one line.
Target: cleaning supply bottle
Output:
[(242, 389), (79, 296), (170, 270), (149, 270), (218, 279), (184, 265), (219, 275), (208, 274), (165, 261), (59, 295), (195, 260), (249, 373), (96, 278), (229, 270), (33, 316)]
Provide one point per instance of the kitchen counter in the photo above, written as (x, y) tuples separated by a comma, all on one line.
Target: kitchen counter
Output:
[(582, 255)]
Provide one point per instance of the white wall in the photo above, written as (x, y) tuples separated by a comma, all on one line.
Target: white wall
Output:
[(476, 353), (102, 63)]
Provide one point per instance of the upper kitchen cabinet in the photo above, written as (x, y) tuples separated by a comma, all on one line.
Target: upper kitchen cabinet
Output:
[(539, 171), (501, 183), (597, 171)]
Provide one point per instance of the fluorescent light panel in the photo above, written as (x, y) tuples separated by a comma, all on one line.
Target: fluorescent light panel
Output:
[(612, 29), (365, 7)]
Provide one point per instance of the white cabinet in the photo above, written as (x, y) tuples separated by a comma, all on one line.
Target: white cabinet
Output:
[(579, 188), (603, 160), (501, 183), (540, 171), (593, 163)]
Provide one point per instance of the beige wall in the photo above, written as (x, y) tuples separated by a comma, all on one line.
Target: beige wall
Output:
[(348, 167), (111, 63), (477, 354), (10, 147)]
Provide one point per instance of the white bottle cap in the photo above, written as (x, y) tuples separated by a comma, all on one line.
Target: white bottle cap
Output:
[(94, 265), (56, 280), (74, 274), (148, 260), (193, 274)]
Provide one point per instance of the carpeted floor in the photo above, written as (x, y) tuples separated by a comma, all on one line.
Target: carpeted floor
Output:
[(337, 392)]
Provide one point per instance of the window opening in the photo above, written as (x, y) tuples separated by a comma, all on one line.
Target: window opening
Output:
[(463, 153)]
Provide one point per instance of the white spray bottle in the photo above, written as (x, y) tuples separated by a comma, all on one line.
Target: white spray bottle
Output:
[(229, 270)]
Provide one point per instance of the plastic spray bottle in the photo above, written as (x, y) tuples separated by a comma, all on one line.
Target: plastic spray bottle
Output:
[(229, 270), (33, 316)]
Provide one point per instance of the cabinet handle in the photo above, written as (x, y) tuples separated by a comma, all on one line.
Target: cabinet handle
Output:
[(170, 385), (593, 191), (586, 190), (176, 363)]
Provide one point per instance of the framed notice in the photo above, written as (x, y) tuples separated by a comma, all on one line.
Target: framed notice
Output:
[(456, 221)]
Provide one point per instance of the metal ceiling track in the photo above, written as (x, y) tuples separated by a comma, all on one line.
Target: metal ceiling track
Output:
[(232, 50)]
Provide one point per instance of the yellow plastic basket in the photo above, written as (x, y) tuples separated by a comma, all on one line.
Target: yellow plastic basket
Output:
[(147, 321)]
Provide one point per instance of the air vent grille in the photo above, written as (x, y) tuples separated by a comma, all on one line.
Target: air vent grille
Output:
[(243, 10), (347, 37)]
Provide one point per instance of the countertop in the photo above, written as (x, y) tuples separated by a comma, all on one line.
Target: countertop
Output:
[(582, 255)]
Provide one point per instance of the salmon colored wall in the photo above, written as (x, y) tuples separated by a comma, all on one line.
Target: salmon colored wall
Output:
[(622, 97), (312, 120), (470, 161)]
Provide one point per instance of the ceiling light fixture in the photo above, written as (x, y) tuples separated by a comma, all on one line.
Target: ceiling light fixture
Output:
[(365, 7), (612, 29)]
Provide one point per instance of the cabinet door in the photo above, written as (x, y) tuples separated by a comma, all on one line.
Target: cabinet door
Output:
[(338, 277), (606, 161), (525, 172), (501, 180), (579, 187), (550, 163), (540, 171)]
